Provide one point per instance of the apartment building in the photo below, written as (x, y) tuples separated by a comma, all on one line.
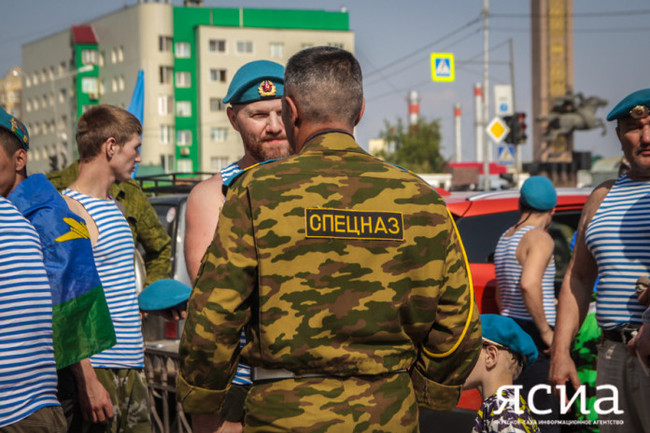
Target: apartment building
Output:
[(188, 54)]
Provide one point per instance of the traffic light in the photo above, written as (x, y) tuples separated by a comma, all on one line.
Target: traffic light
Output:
[(511, 121), (521, 128), (517, 125)]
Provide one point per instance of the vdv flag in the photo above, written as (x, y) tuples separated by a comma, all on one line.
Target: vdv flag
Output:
[(136, 107), (81, 322)]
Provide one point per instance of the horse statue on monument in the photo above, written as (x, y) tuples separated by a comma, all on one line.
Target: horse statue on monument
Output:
[(570, 113)]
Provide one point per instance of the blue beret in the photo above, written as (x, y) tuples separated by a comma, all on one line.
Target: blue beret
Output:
[(538, 193), (623, 109), (163, 294), (504, 331), (15, 126), (256, 81)]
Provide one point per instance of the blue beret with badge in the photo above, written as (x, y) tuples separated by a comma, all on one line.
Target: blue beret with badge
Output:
[(503, 331), (538, 193), (15, 126), (163, 294), (636, 105), (256, 81)]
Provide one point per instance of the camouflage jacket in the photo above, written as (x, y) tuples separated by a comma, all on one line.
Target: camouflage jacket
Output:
[(338, 264), (145, 225)]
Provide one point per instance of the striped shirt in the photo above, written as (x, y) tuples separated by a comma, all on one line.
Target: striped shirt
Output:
[(243, 374), (229, 172), (113, 253), (508, 272), (27, 370), (618, 237)]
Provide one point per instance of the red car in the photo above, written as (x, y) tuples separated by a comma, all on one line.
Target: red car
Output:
[(482, 218)]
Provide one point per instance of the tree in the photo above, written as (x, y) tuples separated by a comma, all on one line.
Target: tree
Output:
[(416, 148)]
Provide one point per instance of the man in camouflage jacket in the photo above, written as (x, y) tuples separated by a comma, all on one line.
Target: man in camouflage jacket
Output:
[(347, 273)]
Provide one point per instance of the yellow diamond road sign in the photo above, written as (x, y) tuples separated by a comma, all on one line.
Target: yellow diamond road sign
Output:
[(497, 130)]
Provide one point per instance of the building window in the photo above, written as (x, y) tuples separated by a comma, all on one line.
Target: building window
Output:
[(63, 95), (219, 134), (120, 54), (35, 78), (44, 75), (165, 104), (244, 47), (183, 79), (218, 162), (114, 84), (184, 165), (166, 134), (335, 44), (218, 75), (183, 108), (89, 85), (61, 69), (28, 105), (51, 73), (164, 43), (184, 137), (217, 45), (120, 82), (113, 55), (166, 74), (277, 49), (306, 45), (183, 50), (36, 105), (44, 101), (89, 57), (216, 104), (101, 58)]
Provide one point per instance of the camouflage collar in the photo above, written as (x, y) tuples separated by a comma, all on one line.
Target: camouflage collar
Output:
[(332, 139)]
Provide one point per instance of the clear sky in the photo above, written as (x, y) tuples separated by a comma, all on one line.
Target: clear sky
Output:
[(394, 39)]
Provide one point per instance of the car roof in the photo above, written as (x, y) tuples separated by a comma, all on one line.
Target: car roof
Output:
[(464, 204)]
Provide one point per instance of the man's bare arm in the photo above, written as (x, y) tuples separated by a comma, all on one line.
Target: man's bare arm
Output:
[(203, 208), (575, 295), (537, 246)]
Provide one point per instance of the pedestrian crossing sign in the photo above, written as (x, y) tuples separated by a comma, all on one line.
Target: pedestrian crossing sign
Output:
[(506, 155), (442, 67)]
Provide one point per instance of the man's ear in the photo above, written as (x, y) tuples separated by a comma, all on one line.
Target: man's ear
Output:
[(363, 108), (20, 159), (110, 147), (232, 116), (292, 110)]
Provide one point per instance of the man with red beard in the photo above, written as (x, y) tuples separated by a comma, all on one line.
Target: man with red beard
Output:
[(256, 113)]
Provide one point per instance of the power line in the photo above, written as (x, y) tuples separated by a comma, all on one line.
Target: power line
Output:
[(576, 15), (612, 30), (401, 59)]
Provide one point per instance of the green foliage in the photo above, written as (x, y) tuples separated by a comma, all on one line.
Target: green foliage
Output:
[(416, 148)]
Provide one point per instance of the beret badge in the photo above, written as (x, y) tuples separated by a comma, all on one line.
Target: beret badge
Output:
[(18, 129), (266, 89), (639, 112)]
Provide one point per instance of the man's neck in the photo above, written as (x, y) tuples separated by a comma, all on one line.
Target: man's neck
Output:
[(246, 161), (94, 180)]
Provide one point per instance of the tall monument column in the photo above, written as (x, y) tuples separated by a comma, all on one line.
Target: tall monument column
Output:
[(552, 67)]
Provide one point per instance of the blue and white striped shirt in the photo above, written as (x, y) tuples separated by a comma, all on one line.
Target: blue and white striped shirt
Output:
[(243, 375), (113, 253), (618, 237), (508, 272), (27, 369)]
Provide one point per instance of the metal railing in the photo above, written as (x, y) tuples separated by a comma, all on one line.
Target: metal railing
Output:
[(161, 370)]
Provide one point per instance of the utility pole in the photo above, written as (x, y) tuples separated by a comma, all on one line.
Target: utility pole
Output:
[(487, 154), (514, 110)]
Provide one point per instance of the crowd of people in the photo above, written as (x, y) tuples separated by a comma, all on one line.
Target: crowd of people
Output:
[(332, 292)]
